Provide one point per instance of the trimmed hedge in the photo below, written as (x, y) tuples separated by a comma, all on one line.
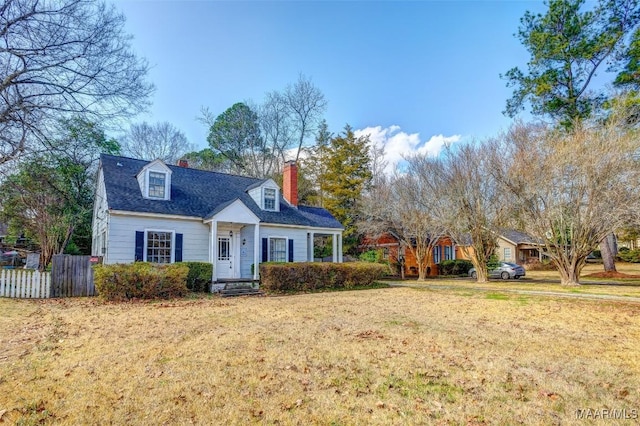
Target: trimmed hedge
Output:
[(141, 280), (632, 256), (199, 276), (455, 267), (310, 276)]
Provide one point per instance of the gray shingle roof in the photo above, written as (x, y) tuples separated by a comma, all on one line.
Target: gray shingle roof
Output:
[(199, 193), (517, 237)]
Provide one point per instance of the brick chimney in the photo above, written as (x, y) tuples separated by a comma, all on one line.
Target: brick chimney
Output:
[(183, 163), (290, 183)]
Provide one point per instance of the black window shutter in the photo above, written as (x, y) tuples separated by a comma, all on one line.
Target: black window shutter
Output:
[(178, 253), (139, 246), (290, 250), (265, 249)]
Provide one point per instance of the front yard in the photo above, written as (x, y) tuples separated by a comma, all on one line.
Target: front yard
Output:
[(387, 356)]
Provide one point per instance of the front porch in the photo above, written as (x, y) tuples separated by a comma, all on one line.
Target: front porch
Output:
[(239, 242)]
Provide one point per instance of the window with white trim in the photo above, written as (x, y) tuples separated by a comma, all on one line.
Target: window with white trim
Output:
[(157, 184), (507, 253), (269, 199), (447, 253), (159, 245), (277, 249)]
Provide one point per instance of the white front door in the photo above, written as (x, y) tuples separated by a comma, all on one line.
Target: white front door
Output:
[(224, 263)]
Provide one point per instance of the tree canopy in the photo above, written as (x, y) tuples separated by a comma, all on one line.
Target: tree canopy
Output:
[(152, 141), (64, 58), (568, 46), (346, 176), (235, 134), (49, 198)]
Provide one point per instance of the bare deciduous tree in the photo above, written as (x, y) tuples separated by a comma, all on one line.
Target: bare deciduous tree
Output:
[(573, 188), (306, 104), (273, 116), (155, 141), (466, 199), (62, 58), (400, 206)]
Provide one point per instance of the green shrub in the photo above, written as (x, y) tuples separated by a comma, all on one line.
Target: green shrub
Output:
[(493, 262), (372, 256), (199, 276), (309, 276), (140, 280), (632, 256), (455, 267)]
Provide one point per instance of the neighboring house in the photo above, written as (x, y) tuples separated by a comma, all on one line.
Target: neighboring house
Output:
[(154, 212), (397, 253), (513, 246), (517, 247)]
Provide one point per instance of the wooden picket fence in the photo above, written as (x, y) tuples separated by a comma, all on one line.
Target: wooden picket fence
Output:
[(25, 284)]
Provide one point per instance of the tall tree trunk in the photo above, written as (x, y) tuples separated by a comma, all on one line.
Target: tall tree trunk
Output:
[(608, 250), (569, 269), (482, 275), (422, 257)]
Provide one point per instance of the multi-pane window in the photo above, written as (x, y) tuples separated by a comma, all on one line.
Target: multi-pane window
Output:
[(436, 254), (269, 199), (507, 253), (278, 249), (447, 253), (224, 248), (159, 247), (156, 184), (385, 253)]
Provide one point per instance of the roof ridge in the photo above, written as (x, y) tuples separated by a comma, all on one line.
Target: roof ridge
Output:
[(177, 167)]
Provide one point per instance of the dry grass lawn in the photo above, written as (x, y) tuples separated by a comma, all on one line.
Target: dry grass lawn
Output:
[(387, 356), (549, 281)]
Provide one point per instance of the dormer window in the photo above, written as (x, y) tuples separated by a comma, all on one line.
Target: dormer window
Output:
[(155, 181), (269, 199), (266, 195), (157, 184)]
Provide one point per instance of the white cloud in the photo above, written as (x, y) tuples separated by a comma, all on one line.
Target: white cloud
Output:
[(398, 144)]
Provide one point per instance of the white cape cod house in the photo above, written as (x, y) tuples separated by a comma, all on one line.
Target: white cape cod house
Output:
[(154, 212)]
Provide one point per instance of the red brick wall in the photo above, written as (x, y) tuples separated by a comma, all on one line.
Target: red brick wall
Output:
[(391, 244)]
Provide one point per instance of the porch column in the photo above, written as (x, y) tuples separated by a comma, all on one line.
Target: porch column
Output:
[(340, 247), (310, 239), (334, 251), (214, 247), (256, 251)]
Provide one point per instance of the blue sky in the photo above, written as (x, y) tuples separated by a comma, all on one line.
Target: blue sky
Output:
[(410, 74)]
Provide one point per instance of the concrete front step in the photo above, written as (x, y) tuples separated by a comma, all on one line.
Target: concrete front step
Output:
[(229, 292)]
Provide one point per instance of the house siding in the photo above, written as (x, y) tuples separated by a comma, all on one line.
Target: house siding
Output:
[(100, 218), (122, 233), (500, 250), (298, 235)]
